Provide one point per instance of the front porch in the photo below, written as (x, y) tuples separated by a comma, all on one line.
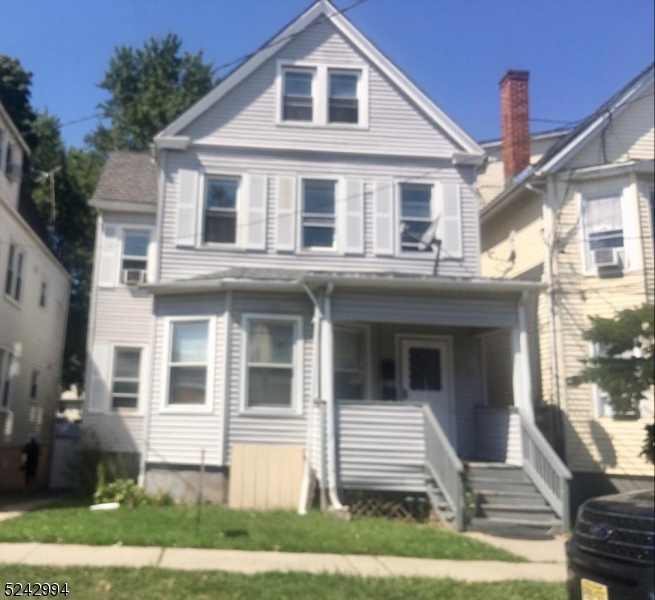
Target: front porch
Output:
[(406, 403)]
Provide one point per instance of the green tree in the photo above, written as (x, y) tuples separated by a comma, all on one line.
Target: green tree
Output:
[(149, 88), (623, 367), (15, 95)]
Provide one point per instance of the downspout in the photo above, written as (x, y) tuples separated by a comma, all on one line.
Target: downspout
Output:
[(327, 384), (315, 392), (550, 299)]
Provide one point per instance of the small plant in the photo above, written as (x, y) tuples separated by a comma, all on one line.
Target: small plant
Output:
[(127, 493)]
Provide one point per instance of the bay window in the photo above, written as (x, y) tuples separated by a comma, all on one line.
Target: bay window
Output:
[(189, 361), (272, 368)]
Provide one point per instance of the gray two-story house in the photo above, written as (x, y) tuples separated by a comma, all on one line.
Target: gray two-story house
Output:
[(296, 265)]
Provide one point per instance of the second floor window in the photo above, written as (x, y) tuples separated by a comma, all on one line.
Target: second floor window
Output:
[(43, 296), (318, 213), (297, 100), (126, 379), (603, 229), (14, 275), (220, 223), (134, 263), (415, 214), (343, 99)]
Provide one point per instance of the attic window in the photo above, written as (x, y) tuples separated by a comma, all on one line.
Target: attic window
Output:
[(298, 101), (343, 99)]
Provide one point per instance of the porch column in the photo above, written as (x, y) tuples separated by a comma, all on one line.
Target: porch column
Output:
[(522, 378)]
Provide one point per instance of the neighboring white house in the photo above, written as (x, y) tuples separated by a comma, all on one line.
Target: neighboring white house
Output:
[(578, 216), (260, 281), (33, 310)]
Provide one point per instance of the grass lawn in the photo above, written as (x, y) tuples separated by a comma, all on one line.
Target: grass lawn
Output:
[(220, 527), (143, 584)]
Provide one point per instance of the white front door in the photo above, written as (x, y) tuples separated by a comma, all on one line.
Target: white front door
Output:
[(425, 377)]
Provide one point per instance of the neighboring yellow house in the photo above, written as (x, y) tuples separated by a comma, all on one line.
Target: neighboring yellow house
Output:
[(575, 211)]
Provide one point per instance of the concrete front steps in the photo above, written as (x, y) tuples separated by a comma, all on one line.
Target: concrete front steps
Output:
[(507, 503)]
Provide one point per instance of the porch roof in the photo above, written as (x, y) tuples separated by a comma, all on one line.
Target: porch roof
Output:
[(289, 279)]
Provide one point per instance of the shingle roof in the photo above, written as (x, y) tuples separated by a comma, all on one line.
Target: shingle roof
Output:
[(128, 177)]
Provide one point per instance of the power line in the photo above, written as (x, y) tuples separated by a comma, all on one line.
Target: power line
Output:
[(236, 61)]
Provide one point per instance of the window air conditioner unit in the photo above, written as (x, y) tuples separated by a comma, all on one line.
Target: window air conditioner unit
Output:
[(134, 276), (606, 258)]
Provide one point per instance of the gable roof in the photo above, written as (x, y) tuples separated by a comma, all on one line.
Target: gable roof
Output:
[(578, 137), (128, 178), (325, 9), (568, 145)]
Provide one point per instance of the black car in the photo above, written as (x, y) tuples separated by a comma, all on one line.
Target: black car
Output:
[(611, 554)]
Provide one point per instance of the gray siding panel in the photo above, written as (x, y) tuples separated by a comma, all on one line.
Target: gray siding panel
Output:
[(424, 308), (178, 438), (246, 115), (255, 429), (381, 446), (181, 263)]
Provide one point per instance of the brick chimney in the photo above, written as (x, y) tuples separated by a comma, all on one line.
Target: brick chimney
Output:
[(515, 122)]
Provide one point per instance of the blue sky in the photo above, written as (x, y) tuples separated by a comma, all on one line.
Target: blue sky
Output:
[(579, 52)]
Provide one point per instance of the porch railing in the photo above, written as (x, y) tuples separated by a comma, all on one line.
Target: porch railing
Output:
[(444, 466), (546, 470)]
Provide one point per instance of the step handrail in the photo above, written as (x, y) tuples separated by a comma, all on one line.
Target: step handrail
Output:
[(443, 464), (546, 469)]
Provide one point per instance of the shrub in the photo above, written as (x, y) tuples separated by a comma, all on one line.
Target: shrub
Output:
[(126, 492)]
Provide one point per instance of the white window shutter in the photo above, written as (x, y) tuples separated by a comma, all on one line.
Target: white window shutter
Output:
[(352, 223), (451, 216), (286, 214), (187, 206), (384, 225), (631, 230), (109, 256), (152, 259), (255, 217), (100, 377)]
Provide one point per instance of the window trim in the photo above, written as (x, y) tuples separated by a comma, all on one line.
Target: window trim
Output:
[(368, 360), (143, 379), (614, 190), (296, 408), (208, 406), (338, 204), (205, 175), (320, 92), (397, 204), (304, 69)]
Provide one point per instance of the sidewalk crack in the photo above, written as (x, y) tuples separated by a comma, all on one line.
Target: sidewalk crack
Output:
[(160, 557)]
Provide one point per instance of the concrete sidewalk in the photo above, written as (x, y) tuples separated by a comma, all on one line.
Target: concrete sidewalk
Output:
[(237, 561)]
